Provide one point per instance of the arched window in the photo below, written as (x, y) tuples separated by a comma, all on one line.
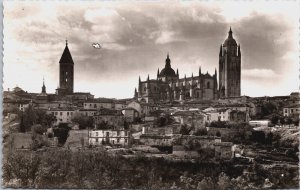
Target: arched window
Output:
[(207, 85)]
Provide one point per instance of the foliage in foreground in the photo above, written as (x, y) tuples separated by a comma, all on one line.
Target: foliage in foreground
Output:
[(96, 169)]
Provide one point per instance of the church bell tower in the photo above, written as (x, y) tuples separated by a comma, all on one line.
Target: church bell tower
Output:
[(230, 68), (66, 73)]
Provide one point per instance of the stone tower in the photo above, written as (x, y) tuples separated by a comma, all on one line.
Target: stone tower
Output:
[(66, 73), (230, 68)]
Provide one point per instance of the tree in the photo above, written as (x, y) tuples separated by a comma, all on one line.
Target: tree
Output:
[(32, 116), (83, 121), (201, 132), (205, 183), (62, 132), (223, 181), (184, 130)]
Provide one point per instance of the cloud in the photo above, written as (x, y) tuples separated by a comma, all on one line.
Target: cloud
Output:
[(135, 39), (259, 74)]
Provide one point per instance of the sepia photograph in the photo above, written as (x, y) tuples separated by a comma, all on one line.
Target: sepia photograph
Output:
[(151, 94)]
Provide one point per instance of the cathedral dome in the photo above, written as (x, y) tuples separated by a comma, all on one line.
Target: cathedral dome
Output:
[(230, 41), (167, 71)]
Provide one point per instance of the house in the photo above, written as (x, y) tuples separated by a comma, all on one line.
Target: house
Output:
[(239, 116), (222, 114), (259, 123), (198, 141), (109, 137), (130, 114), (190, 117), (87, 112), (104, 103), (224, 150), (144, 109), (108, 118), (291, 110), (156, 140), (62, 115)]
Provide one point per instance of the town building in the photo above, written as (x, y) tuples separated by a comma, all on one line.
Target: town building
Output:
[(62, 115), (156, 140), (224, 150), (109, 137), (108, 118), (293, 105), (130, 114), (222, 114), (190, 117), (104, 103)]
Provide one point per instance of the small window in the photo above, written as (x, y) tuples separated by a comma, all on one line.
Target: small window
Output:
[(208, 85), (95, 105), (118, 140), (125, 140), (97, 134), (96, 139), (60, 113), (67, 113)]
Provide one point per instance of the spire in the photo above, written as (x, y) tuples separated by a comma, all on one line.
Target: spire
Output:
[(184, 76), (192, 75), (220, 54), (199, 71), (216, 72), (230, 33), (43, 87), (66, 56), (157, 72), (135, 93), (148, 78), (177, 73), (139, 80), (168, 62)]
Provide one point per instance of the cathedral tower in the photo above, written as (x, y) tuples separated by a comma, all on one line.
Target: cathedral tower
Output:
[(230, 68), (66, 73)]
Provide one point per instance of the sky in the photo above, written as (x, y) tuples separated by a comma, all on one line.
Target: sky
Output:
[(136, 36)]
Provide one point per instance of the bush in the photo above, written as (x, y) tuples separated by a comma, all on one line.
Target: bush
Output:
[(201, 132)]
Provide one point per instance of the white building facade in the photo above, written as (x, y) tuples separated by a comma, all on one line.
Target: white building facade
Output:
[(109, 137)]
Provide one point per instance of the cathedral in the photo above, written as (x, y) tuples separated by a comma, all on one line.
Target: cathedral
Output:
[(168, 87)]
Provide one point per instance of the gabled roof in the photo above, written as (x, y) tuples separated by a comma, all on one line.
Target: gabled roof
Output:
[(66, 56)]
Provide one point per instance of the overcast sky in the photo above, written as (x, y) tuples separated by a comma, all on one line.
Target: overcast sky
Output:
[(136, 37)]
